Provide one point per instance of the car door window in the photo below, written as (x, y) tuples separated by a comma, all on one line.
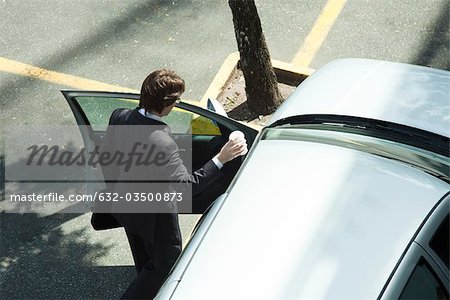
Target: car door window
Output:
[(181, 122), (439, 243), (423, 284), (98, 110)]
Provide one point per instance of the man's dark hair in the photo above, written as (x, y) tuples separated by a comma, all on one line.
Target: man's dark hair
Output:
[(160, 89)]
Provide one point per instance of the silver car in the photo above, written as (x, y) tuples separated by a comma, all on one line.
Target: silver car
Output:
[(345, 195)]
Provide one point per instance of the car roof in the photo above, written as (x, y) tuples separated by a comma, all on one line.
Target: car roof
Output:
[(400, 93), (310, 220)]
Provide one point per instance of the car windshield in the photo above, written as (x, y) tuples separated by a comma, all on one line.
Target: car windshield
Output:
[(430, 162), (370, 127)]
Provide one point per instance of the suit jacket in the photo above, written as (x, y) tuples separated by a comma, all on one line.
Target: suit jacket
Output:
[(159, 134)]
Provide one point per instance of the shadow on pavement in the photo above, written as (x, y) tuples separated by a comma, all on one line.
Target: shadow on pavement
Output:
[(115, 31), (434, 52), (41, 261)]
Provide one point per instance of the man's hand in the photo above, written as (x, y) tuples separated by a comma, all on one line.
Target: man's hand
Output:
[(231, 150)]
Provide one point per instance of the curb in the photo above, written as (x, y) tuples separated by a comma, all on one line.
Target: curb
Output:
[(222, 76), (286, 73)]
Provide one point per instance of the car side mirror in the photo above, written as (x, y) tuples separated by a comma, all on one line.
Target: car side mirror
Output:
[(215, 106)]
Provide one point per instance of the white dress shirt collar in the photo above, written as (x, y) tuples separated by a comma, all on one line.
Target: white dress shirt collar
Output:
[(150, 115)]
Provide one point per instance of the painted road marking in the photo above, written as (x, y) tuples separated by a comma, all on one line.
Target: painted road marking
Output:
[(18, 68), (303, 57), (317, 35), (11, 66)]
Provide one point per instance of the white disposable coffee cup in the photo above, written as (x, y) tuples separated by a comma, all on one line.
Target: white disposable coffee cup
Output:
[(238, 136)]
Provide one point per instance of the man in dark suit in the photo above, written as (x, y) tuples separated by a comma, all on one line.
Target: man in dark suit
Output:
[(155, 238)]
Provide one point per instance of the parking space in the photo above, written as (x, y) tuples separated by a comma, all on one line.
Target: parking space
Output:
[(114, 45)]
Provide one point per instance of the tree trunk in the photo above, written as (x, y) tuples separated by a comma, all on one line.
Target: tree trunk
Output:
[(261, 84)]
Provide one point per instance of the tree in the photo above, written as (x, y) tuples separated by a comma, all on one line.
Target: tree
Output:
[(261, 86)]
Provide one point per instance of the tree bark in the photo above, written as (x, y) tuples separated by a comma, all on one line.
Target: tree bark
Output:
[(261, 84)]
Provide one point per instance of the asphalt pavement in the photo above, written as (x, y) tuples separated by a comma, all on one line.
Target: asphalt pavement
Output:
[(119, 42)]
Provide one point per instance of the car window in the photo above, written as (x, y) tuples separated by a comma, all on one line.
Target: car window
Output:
[(440, 241), (182, 121), (423, 284), (98, 110)]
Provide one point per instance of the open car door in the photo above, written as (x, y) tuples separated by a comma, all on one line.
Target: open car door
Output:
[(204, 130)]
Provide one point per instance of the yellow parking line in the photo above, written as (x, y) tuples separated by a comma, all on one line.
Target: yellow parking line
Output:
[(11, 66), (319, 32)]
